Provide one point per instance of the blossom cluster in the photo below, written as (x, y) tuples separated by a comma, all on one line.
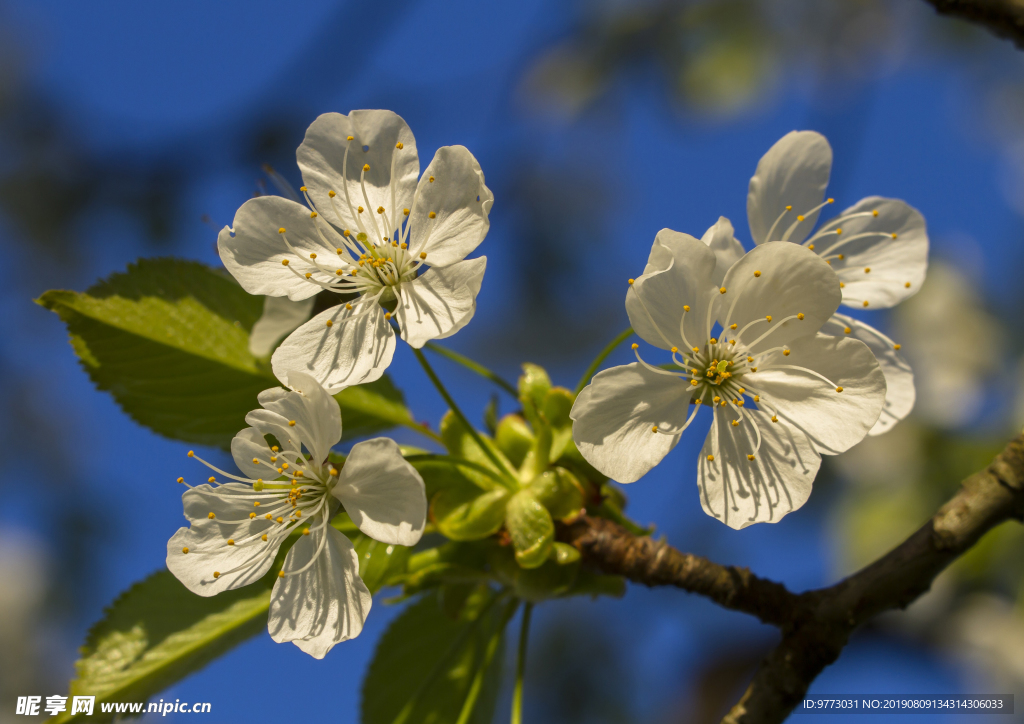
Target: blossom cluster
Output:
[(755, 344)]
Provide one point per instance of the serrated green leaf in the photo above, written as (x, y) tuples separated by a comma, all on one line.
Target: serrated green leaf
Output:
[(169, 340), (157, 632), (431, 668)]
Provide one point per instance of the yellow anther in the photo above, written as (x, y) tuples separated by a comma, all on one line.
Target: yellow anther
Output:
[(635, 345), (431, 179), (907, 285), (387, 315), (280, 574), (211, 479), (742, 390), (350, 138), (305, 531), (346, 233), (291, 423), (312, 214), (348, 306), (800, 217), (757, 398), (800, 315), (750, 359), (732, 341), (272, 458), (255, 461), (191, 454), (722, 290), (897, 346), (698, 401), (275, 448), (231, 541), (865, 302), (674, 350), (312, 255), (181, 480), (774, 418), (360, 209), (185, 549), (785, 353), (280, 519), (331, 194), (875, 212), (432, 215), (403, 245), (211, 516), (339, 272), (334, 473), (718, 399), (753, 369), (839, 389), (847, 330), (256, 503), (380, 210), (686, 307), (423, 255), (696, 349), (735, 423), (268, 516), (284, 262), (811, 247), (281, 230), (842, 285), (711, 458), (768, 317), (298, 513), (284, 466), (750, 457), (842, 256), (694, 382), (216, 574), (867, 270), (330, 323), (830, 201), (894, 235), (366, 167), (399, 146), (757, 272), (405, 212), (263, 537), (829, 262), (722, 403), (732, 326), (309, 275), (713, 341)]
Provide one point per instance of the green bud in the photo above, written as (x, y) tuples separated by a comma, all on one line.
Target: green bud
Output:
[(563, 553), (514, 438), (531, 529), (556, 407), (466, 513), (534, 384), (559, 491)]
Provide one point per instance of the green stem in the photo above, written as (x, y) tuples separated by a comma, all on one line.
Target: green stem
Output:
[(454, 461), (601, 357), (476, 367), (423, 430), (517, 694), (462, 418)]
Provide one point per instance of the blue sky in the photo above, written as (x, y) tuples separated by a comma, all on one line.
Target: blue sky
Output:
[(143, 82)]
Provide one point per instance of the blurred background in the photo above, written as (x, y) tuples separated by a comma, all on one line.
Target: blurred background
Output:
[(134, 129)]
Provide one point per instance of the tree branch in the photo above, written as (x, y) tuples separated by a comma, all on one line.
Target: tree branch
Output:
[(815, 625), (1005, 18)]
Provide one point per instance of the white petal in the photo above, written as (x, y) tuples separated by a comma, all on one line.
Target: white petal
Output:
[(325, 604), (249, 445), (739, 491), (440, 302), (897, 265), (280, 316), (316, 414), (613, 416), (206, 540), (322, 160), (266, 422), (835, 421), (721, 239), (793, 173), (792, 280), (382, 493), (354, 350), (253, 248), (679, 273), (453, 189), (899, 378)]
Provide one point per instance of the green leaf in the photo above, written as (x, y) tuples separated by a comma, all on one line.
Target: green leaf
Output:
[(431, 668), (460, 443), (463, 512), (157, 632), (531, 528), (169, 340)]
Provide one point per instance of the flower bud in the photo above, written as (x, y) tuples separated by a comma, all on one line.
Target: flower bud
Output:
[(531, 529)]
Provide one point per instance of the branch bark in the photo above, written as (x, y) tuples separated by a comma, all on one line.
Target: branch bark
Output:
[(1005, 18), (817, 624)]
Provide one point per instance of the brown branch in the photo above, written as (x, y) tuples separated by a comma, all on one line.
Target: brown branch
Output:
[(1005, 18), (817, 624)]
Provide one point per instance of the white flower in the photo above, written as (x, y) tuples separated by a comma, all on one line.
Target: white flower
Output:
[(292, 488), (280, 317), (781, 394), (878, 247), (370, 230)]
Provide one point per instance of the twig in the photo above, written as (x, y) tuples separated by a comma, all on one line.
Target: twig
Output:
[(1004, 18), (815, 625)]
